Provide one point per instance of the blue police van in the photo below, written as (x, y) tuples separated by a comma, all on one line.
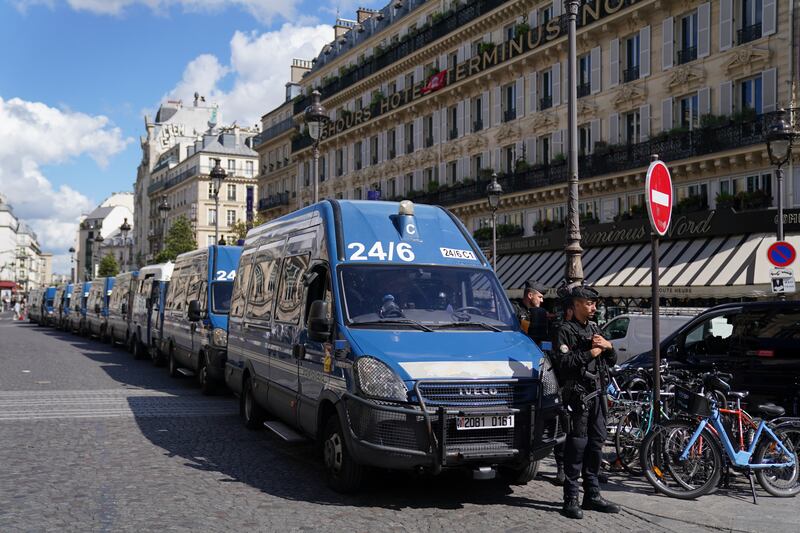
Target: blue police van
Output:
[(195, 332), (147, 319), (77, 317), (48, 306), (118, 322), (65, 307), (96, 322), (380, 330)]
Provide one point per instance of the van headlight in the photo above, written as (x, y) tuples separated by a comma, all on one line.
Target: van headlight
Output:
[(219, 337), (377, 380)]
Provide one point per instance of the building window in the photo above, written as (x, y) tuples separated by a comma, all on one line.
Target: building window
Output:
[(211, 191), (339, 162), (408, 184), (475, 166), (409, 80), (750, 94), (357, 194), (357, 155), (231, 217), (307, 173), (373, 150), (545, 14), (231, 165), (359, 103), (477, 113), (475, 47), (584, 139), (451, 172), (430, 176), (452, 60), (210, 240), (544, 150), (323, 165), (508, 32), (751, 21), (584, 75), (689, 112), (391, 188), (232, 192), (509, 103), (212, 216), (391, 143), (698, 190), (632, 124), (508, 158), (409, 135), (546, 90), (452, 121), (392, 87), (427, 131), (248, 165), (631, 71), (688, 38)]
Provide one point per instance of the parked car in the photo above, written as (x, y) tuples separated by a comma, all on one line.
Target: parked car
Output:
[(76, 320), (195, 333), (632, 334), (97, 308), (380, 329), (119, 308), (148, 311), (757, 342)]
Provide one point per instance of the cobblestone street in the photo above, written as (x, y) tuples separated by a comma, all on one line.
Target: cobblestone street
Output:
[(93, 440)]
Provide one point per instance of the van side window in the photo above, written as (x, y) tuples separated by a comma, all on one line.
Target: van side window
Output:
[(239, 284), (291, 291), (179, 294), (262, 288)]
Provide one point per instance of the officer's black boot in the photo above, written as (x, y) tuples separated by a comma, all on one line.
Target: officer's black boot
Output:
[(571, 509), (560, 475), (593, 501)]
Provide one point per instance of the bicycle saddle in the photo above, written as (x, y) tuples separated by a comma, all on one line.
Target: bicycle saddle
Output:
[(738, 394), (770, 410)]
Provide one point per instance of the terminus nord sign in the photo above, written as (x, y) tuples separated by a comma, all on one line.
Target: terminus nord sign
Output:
[(590, 12)]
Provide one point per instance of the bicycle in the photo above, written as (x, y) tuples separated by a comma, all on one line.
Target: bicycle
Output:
[(683, 459)]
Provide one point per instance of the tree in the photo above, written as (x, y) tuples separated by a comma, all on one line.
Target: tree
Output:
[(180, 239), (240, 228), (108, 266)]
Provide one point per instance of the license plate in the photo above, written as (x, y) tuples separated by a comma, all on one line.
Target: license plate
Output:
[(485, 422)]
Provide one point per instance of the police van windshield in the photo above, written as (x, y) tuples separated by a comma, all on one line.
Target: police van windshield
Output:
[(221, 296), (443, 297)]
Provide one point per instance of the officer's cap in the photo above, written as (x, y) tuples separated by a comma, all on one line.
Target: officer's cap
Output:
[(587, 293), (533, 285)]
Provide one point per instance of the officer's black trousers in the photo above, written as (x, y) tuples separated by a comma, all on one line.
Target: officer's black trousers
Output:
[(583, 449)]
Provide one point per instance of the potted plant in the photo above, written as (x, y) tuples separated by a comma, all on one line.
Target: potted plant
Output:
[(725, 201), (485, 47), (482, 234), (521, 29), (433, 186)]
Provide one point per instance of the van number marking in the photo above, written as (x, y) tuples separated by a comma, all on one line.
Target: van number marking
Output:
[(451, 253), (223, 275), (403, 251)]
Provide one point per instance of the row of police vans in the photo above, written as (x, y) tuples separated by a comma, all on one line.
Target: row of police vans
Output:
[(377, 329)]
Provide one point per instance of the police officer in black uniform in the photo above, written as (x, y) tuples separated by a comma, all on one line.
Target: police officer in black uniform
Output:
[(539, 329), (582, 359)]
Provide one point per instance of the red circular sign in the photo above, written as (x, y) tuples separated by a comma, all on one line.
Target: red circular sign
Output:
[(781, 254), (658, 191)]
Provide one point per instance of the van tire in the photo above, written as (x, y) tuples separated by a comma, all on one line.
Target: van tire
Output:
[(173, 364), (253, 415), (520, 475), (344, 474), (207, 385), (156, 357)]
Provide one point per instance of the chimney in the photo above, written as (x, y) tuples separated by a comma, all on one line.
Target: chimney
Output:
[(362, 14), (236, 135), (299, 68)]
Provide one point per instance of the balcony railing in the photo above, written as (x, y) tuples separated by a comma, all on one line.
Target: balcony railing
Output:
[(273, 200), (509, 115), (545, 103), (748, 33), (687, 54), (477, 125), (584, 89), (166, 184), (273, 131), (630, 74), (614, 159)]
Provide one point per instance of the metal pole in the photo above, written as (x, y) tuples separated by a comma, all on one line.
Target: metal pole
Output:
[(316, 171), (494, 239), (216, 216), (780, 203), (656, 330), (573, 250)]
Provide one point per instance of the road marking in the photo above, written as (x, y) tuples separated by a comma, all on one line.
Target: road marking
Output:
[(659, 198)]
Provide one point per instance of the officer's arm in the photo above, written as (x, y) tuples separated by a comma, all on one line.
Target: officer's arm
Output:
[(610, 356), (570, 357)]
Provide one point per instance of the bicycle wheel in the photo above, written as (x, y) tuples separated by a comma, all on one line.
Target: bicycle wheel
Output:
[(628, 439), (781, 482), (670, 475)]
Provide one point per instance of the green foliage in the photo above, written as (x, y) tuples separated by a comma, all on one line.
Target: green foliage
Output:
[(744, 200), (713, 121), (521, 166), (691, 204), (485, 173), (482, 234), (522, 29), (543, 226), (180, 239), (588, 219), (485, 47), (239, 230), (108, 266), (725, 201), (433, 186), (509, 230), (558, 159), (437, 17)]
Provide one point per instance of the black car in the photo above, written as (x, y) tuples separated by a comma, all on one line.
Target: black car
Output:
[(757, 342)]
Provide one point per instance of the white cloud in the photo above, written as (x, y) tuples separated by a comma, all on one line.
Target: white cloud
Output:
[(258, 71), (262, 10), (35, 134)]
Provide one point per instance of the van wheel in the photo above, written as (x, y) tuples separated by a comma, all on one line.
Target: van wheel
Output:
[(207, 385), (520, 475), (253, 414), (173, 364), (343, 473), (156, 356)]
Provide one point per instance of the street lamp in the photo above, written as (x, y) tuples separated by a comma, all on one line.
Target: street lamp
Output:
[(493, 192), (315, 117), (74, 272), (573, 250), (217, 177), (779, 147), (163, 210), (124, 229), (96, 259)]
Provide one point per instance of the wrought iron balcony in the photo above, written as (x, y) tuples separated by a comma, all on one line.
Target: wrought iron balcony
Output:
[(748, 33), (630, 74), (509, 115), (584, 89), (687, 54), (545, 103), (274, 200)]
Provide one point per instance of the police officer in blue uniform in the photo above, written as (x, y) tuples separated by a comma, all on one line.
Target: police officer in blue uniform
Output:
[(582, 359)]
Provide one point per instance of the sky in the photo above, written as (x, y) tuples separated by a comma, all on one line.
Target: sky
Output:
[(78, 76)]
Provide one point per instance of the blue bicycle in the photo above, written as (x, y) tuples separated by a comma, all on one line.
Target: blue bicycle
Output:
[(682, 458)]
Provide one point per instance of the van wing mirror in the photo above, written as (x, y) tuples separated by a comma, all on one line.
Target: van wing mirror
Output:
[(319, 325), (193, 312)]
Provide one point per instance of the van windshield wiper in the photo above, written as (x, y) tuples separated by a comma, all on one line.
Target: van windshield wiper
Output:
[(393, 322), (467, 323)]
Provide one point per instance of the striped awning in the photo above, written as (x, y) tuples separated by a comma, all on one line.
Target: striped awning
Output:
[(727, 267)]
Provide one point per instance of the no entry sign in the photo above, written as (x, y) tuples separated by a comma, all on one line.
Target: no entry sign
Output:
[(781, 254), (658, 191)]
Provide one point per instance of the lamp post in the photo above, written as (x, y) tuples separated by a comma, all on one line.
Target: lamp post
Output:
[(217, 175), (315, 117), (98, 241), (780, 137), (124, 229), (573, 250), (74, 271), (163, 210), (493, 192)]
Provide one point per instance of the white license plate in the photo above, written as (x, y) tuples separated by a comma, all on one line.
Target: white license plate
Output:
[(485, 422)]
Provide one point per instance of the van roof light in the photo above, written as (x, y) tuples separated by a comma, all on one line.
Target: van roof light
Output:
[(406, 208)]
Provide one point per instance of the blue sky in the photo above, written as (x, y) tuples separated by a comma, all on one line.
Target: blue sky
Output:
[(78, 75)]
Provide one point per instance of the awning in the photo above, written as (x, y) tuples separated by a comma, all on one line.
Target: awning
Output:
[(715, 267)]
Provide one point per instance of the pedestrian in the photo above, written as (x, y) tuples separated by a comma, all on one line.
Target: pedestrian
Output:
[(582, 359), (17, 310)]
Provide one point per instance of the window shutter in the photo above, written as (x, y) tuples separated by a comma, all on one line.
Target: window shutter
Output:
[(418, 75), (703, 101), (769, 92), (533, 18), (666, 114), (517, 155), (400, 135), (613, 63), (726, 98), (401, 83), (365, 153), (460, 53), (768, 17), (594, 131), (443, 173), (381, 144), (520, 96), (557, 143), (644, 52), (442, 61), (556, 80), (464, 163), (496, 163), (530, 150), (460, 118), (596, 80), (496, 107), (644, 118), (467, 116), (418, 141), (485, 109), (435, 131), (558, 8), (532, 103), (613, 128), (725, 24), (704, 29), (497, 36), (350, 162), (667, 42)]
